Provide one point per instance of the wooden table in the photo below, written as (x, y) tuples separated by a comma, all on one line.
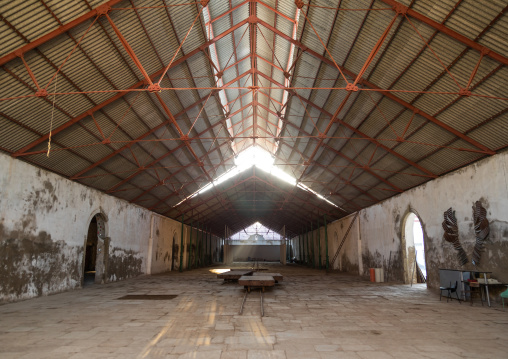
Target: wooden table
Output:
[(474, 287), (234, 274), (257, 281), (277, 276)]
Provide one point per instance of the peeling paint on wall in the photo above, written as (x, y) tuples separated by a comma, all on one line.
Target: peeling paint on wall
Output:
[(124, 264), (35, 265), (44, 221)]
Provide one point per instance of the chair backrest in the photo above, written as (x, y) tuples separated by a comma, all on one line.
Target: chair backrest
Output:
[(505, 294), (455, 286)]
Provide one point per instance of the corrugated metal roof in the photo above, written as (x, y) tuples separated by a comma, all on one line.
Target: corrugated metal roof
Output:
[(379, 128)]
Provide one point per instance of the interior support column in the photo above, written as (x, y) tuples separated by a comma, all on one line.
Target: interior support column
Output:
[(308, 251), (190, 248), (319, 242), (326, 245), (313, 246), (196, 254), (206, 247), (181, 247), (300, 247), (203, 246), (209, 247)]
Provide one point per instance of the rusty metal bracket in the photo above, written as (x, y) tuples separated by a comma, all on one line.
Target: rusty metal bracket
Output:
[(103, 10), (351, 87), (299, 4), (154, 88), (464, 92), (400, 9), (42, 93)]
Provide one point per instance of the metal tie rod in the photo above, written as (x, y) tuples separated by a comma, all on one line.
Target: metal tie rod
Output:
[(261, 298), (261, 302), (243, 302)]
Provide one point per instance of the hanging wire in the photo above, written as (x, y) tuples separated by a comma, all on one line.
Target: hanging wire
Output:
[(52, 116)]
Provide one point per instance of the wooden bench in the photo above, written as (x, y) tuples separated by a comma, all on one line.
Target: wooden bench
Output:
[(261, 281), (234, 275)]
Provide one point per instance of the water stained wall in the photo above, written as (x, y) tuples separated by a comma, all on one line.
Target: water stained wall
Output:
[(44, 223), (33, 264), (382, 224)]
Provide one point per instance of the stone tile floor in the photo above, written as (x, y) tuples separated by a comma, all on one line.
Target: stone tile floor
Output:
[(310, 314)]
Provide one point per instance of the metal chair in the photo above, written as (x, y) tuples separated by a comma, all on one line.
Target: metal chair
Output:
[(450, 290), (504, 295), (474, 288)]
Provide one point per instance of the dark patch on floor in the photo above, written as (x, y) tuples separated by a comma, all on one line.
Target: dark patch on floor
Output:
[(147, 297)]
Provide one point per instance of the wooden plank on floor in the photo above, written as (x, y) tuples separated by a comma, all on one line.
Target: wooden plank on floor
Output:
[(234, 274), (257, 281), (277, 276)]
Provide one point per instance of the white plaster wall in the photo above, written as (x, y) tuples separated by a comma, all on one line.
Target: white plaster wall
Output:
[(381, 224), (347, 260), (162, 251), (241, 253), (44, 221)]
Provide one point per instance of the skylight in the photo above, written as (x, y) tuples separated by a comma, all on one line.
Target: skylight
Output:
[(263, 160), (256, 232), (252, 156)]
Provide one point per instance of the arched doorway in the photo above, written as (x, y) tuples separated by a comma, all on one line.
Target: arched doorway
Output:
[(94, 261), (416, 267), (90, 253)]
